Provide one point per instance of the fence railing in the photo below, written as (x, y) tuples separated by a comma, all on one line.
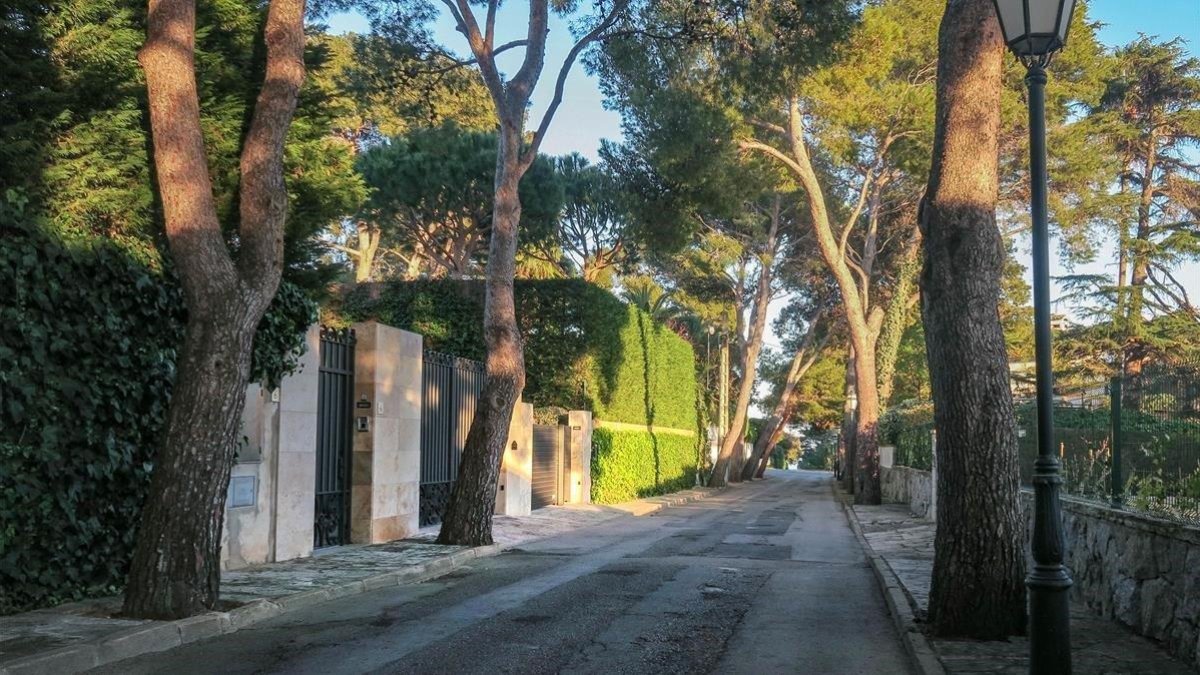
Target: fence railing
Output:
[(450, 394), (1137, 447)]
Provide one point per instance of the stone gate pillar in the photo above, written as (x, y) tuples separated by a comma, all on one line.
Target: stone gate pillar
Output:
[(386, 467)]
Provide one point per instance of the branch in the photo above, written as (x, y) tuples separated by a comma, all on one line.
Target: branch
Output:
[(561, 83)]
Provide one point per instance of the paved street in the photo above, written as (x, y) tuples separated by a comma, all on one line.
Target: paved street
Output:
[(764, 578)]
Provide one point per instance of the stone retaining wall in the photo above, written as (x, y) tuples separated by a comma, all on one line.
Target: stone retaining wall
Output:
[(902, 485), (1140, 571)]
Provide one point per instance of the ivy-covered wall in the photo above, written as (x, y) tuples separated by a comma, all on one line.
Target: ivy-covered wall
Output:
[(584, 348), (87, 358), (628, 465)]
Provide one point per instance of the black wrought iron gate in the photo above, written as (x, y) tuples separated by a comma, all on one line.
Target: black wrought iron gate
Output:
[(450, 390), (335, 416)]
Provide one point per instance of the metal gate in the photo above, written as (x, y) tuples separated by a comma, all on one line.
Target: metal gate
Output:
[(549, 460), (335, 406), (449, 393)]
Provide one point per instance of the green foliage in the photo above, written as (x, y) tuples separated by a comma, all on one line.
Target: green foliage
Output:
[(628, 465), (74, 136), (819, 451), (584, 348), (432, 194), (87, 359), (907, 426)]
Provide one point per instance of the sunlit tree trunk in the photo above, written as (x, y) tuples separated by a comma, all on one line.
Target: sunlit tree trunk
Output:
[(749, 361), (979, 562), (772, 428), (175, 571)]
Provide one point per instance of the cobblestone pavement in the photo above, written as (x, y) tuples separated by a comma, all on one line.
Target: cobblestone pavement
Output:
[(1098, 646)]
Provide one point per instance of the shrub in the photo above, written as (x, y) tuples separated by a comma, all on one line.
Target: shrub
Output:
[(907, 427), (87, 359), (584, 348), (632, 464)]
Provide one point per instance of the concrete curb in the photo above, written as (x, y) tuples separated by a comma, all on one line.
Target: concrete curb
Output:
[(919, 650), (157, 636)]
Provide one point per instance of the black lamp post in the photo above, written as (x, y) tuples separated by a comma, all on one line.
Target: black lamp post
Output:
[(1034, 31)]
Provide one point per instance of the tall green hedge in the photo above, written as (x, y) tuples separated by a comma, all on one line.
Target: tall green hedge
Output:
[(87, 358), (584, 348), (628, 465)]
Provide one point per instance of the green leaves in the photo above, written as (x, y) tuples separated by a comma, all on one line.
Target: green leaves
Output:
[(628, 465), (87, 359), (584, 348)]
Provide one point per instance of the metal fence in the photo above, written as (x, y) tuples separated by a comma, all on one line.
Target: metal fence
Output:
[(450, 393), (1138, 446), (335, 403)]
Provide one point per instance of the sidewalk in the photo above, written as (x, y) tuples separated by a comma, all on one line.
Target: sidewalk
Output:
[(902, 545), (77, 636)]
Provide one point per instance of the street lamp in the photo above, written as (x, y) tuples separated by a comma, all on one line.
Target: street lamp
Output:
[(1034, 30)]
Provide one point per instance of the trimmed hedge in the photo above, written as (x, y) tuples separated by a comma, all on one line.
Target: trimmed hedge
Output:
[(628, 465), (908, 426), (87, 358), (584, 348)]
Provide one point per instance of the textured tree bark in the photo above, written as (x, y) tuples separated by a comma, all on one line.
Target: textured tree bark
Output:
[(368, 246), (468, 518), (772, 429), (175, 571), (866, 425), (721, 473), (862, 321), (979, 565)]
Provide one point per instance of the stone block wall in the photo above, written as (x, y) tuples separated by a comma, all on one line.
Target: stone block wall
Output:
[(270, 504), (1140, 571), (902, 485), (514, 489)]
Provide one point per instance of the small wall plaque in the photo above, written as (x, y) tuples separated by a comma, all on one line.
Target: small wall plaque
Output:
[(242, 491)]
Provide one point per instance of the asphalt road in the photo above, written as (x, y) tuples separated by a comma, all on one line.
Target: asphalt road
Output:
[(765, 578)]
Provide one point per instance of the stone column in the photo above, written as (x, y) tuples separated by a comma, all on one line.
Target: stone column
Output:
[(580, 479), (296, 468), (386, 467), (887, 456), (514, 494)]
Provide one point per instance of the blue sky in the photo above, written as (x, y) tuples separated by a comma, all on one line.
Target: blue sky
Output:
[(582, 121)]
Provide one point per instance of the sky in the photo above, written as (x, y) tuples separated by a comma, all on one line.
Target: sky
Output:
[(582, 121)]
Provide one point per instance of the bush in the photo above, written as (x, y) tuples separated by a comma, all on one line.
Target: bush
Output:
[(87, 359), (907, 427), (584, 348), (628, 465)]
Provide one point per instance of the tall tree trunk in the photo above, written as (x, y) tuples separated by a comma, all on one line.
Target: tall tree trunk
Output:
[(772, 428), (866, 426), (774, 441), (979, 564), (753, 345), (175, 571), (368, 246), (1134, 351), (468, 518)]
